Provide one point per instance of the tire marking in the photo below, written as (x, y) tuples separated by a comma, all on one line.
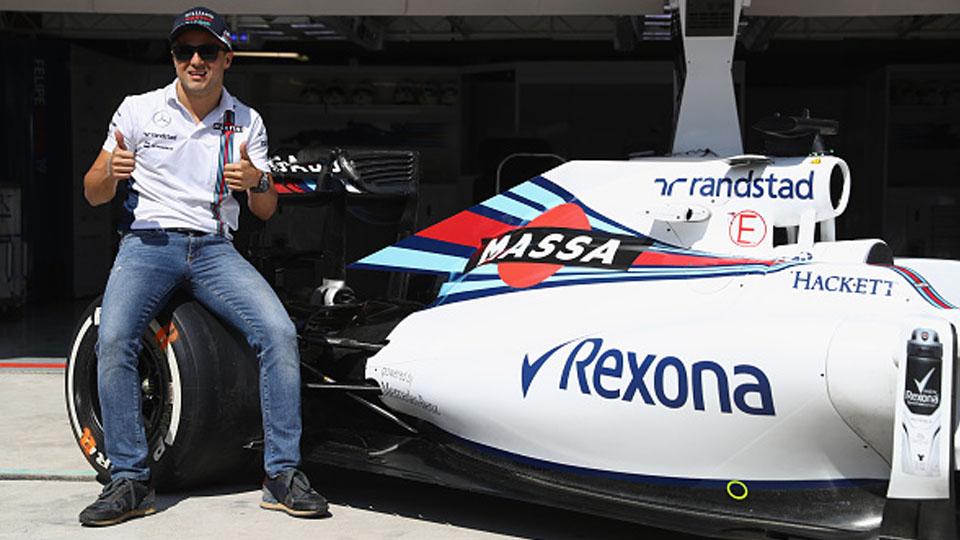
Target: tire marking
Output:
[(87, 442), (166, 336), (71, 364), (80, 432)]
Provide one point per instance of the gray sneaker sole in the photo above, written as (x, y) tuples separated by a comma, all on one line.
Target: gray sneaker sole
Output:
[(266, 505), (135, 513)]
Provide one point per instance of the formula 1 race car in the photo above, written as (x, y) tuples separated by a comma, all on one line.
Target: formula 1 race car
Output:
[(677, 341), (590, 348)]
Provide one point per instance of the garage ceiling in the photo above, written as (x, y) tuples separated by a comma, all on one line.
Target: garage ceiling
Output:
[(370, 23), (801, 8)]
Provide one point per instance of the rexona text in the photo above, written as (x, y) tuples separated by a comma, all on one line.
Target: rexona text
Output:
[(744, 187), (616, 374)]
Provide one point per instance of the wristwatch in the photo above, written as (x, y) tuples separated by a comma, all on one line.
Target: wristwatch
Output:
[(264, 184)]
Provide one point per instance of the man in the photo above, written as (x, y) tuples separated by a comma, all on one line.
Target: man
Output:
[(185, 150)]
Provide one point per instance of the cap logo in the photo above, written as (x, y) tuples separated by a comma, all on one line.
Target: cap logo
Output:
[(202, 18)]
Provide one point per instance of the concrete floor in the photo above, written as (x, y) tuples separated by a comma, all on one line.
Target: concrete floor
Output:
[(45, 482)]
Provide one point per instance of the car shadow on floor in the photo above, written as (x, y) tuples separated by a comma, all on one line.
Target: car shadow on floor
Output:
[(437, 504), (167, 500), (471, 510)]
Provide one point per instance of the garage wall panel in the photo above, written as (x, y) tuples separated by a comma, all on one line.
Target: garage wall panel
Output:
[(36, 124), (97, 92)]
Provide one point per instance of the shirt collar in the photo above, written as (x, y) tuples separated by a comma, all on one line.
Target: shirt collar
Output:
[(170, 93)]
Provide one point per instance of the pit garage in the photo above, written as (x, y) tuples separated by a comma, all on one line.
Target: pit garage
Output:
[(440, 106)]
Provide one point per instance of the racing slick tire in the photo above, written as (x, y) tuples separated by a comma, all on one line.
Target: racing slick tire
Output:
[(199, 397)]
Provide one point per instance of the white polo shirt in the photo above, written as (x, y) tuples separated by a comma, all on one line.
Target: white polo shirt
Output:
[(177, 180)]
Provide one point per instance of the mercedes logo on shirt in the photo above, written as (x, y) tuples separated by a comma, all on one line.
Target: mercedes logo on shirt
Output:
[(161, 118)]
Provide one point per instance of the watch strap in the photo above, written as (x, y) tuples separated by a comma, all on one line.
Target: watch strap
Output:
[(264, 184)]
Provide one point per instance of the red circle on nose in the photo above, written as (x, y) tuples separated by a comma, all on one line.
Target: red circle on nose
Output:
[(748, 228)]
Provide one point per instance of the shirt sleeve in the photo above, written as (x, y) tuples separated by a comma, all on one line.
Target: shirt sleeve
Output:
[(257, 144), (122, 120)]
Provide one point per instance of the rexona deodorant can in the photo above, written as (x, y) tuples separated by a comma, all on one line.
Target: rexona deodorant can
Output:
[(922, 399)]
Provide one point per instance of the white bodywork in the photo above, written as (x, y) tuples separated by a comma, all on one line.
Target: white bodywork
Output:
[(826, 332), (635, 320), (744, 202)]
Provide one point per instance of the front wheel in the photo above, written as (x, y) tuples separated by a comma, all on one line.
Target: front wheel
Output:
[(199, 397)]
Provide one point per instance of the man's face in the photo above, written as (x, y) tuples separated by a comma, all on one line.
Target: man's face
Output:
[(199, 77)]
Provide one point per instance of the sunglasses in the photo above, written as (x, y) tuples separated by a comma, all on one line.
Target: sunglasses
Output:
[(208, 53)]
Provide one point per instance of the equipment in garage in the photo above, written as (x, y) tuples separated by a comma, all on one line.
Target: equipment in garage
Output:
[(13, 250), (336, 206)]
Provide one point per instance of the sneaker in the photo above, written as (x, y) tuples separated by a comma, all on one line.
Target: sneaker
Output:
[(120, 500), (290, 492)]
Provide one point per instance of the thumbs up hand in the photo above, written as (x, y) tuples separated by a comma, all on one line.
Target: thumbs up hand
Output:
[(122, 161), (242, 175)]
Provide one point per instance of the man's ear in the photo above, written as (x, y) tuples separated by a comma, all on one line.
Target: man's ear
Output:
[(228, 60)]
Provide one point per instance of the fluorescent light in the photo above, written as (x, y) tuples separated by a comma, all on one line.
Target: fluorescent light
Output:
[(275, 55), (304, 26)]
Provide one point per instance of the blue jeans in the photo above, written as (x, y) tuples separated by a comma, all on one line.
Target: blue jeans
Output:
[(150, 266)]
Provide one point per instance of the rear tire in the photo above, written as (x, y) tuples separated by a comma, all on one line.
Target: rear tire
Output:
[(199, 395)]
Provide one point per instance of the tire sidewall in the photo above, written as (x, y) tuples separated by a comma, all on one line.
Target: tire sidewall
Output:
[(83, 403)]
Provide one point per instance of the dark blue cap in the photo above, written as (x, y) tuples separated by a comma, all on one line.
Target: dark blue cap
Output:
[(204, 19)]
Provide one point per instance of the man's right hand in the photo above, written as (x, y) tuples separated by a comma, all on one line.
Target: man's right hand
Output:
[(121, 163)]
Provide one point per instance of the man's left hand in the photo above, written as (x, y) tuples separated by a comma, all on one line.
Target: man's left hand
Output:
[(242, 175)]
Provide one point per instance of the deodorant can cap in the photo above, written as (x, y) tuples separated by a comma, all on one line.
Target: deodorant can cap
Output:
[(925, 342)]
